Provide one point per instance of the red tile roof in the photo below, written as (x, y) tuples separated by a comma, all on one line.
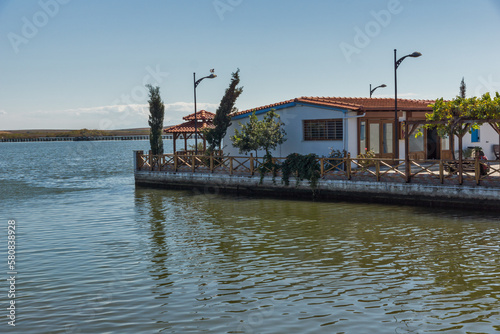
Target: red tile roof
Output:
[(200, 115), (352, 103), (188, 127)]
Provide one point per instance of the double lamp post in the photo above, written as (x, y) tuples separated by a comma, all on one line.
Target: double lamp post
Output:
[(396, 120)]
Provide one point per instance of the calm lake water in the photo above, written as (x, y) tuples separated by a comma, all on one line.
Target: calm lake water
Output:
[(96, 255)]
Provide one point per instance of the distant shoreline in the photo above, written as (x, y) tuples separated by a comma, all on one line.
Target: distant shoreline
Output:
[(74, 135)]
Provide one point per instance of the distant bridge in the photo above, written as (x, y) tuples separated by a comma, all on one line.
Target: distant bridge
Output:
[(136, 137)]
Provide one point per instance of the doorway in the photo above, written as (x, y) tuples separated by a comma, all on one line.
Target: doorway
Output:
[(432, 146)]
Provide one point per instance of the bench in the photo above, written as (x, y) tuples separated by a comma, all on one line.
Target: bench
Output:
[(467, 166)]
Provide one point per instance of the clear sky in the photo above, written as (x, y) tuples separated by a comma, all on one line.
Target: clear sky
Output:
[(71, 64)]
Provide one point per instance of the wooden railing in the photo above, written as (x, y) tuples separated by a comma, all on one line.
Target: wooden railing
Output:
[(366, 169)]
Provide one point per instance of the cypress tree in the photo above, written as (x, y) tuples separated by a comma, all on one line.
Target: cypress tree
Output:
[(462, 89), (156, 114), (222, 119)]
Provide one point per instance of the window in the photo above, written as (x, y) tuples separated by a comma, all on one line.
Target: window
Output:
[(387, 141), (474, 136), (375, 137), (416, 144), (323, 129), (445, 143), (362, 136)]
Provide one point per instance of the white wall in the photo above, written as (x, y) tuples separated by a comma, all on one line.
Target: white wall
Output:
[(487, 138), (292, 117)]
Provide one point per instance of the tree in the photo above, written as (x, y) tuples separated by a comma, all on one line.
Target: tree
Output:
[(462, 89), (247, 139), (156, 115), (222, 119), (265, 134), (460, 115)]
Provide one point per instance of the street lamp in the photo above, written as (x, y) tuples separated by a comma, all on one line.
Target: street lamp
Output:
[(396, 121), (372, 90), (196, 83)]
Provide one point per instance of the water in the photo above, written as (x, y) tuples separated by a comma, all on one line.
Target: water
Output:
[(96, 255)]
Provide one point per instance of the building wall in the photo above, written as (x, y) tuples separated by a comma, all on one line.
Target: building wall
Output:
[(487, 138), (292, 117)]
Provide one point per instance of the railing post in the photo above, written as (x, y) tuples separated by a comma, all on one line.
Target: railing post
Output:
[(251, 164), (477, 169), (137, 160), (322, 166), (408, 168), (441, 171), (212, 162), (175, 162), (150, 160), (377, 170), (230, 165), (348, 165), (193, 160)]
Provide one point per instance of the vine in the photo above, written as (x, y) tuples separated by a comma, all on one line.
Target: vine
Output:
[(268, 165), (302, 167)]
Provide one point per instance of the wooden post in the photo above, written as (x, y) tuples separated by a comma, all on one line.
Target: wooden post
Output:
[(377, 170), (174, 137), (477, 168), (193, 160), (230, 165), (138, 160), (407, 154), (348, 165), (251, 164), (460, 165), (150, 160), (175, 162), (211, 162), (441, 171)]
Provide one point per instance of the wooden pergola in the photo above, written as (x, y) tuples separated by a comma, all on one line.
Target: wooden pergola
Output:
[(411, 126), (187, 130)]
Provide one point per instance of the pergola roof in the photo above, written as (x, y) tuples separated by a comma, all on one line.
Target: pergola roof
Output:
[(188, 127), (201, 115)]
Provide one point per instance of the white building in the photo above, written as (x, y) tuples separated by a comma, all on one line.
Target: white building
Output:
[(320, 124)]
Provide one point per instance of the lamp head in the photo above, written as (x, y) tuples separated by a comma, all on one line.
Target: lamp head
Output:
[(211, 76), (415, 54), (383, 85)]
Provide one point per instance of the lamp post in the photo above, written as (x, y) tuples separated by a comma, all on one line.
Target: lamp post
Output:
[(196, 83), (396, 121), (372, 90)]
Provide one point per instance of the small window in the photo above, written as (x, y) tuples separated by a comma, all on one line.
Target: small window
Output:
[(474, 136), (323, 129)]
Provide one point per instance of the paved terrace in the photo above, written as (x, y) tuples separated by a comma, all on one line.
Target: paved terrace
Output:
[(431, 172)]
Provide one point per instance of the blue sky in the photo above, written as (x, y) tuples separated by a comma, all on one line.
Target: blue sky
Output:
[(84, 63)]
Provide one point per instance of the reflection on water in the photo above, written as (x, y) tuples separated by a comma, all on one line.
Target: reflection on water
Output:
[(97, 255), (265, 266)]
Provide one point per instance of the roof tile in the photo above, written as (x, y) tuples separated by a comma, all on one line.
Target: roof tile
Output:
[(352, 103)]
